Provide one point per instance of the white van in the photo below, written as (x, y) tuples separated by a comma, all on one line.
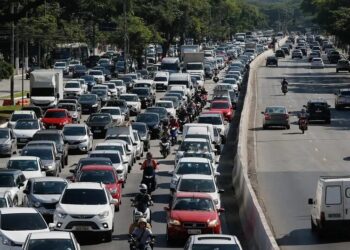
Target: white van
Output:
[(331, 206), (182, 79), (161, 80), (202, 128)]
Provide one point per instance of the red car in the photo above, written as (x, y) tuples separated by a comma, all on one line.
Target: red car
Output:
[(192, 213), (224, 107), (56, 118), (105, 174)]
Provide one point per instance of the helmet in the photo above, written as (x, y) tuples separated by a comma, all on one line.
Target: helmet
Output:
[(303, 110), (142, 220), (138, 215), (143, 188), (149, 155)]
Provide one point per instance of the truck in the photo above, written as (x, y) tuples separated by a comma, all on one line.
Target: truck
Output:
[(46, 87), (193, 62), (189, 49)]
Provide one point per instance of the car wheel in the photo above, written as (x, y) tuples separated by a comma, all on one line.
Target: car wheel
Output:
[(116, 208), (123, 184), (337, 107), (328, 121)]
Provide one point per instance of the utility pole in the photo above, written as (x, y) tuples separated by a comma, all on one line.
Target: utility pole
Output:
[(125, 39), (12, 82), (17, 45)]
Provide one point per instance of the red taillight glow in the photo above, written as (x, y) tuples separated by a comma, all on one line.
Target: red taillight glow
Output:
[(267, 117)]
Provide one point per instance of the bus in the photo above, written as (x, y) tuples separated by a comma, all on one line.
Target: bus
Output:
[(70, 51)]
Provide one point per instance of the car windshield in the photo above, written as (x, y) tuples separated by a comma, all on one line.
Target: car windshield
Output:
[(79, 67), (193, 168), (275, 110), (96, 161), (72, 85), (215, 120), (318, 106), (40, 244), (212, 246), (194, 66), (27, 124), (194, 146), (110, 147), (159, 110), (139, 127), (87, 78), (60, 64), (115, 159), (147, 117), (49, 187), (164, 104), (141, 91), (74, 131), (95, 73), (220, 105), (7, 180), (55, 114), (99, 118), (196, 185), (49, 137), (84, 197), (22, 222), (24, 165), (4, 134), (111, 111), (69, 107), (111, 85), (194, 204), (160, 79), (104, 176), (91, 98), (129, 98), (42, 153), (16, 117)]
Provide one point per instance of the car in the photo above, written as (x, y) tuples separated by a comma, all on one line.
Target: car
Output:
[(72, 64), (317, 63), (51, 240), (5, 199), (285, 49), (225, 107), (25, 129), (145, 95), (297, 54), (73, 89), (161, 111), (276, 116), (99, 123), (37, 110), (73, 109), (192, 213), (318, 110), (138, 145), (89, 80), (280, 53), (17, 223), (129, 145), (98, 76), (122, 105), (214, 118), (56, 118), (13, 181), (8, 142), (61, 66), (333, 56), (191, 165), (133, 102), (116, 114), (120, 166), (30, 166), (57, 137), (78, 137), (102, 94), (51, 161), (43, 193), (119, 84), (127, 80), (20, 114), (313, 55), (79, 71), (90, 103), (152, 121), (106, 175), (145, 84), (168, 105), (343, 65), (342, 99), (213, 241), (85, 206), (88, 161), (194, 144), (112, 89), (161, 80), (144, 134)]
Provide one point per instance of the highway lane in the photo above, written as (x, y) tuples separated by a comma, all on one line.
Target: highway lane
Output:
[(288, 163)]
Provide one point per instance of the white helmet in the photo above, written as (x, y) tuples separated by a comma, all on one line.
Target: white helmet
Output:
[(138, 215), (143, 188)]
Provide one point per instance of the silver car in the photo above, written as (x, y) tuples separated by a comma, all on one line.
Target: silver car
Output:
[(8, 142), (78, 136), (73, 109)]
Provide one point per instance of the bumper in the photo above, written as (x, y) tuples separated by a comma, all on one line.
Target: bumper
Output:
[(88, 109), (182, 233), (82, 146), (93, 224), (21, 142), (276, 123), (53, 126)]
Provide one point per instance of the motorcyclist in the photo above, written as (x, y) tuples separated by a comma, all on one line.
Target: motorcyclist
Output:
[(149, 166), (182, 113), (197, 98), (142, 200), (135, 224), (203, 91), (142, 235), (173, 122), (284, 82), (303, 115), (165, 134)]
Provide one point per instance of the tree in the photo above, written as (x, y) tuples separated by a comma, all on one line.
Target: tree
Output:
[(6, 70)]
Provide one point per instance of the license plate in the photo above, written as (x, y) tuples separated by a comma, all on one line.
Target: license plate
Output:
[(318, 111), (194, 231), (52, 126), (82, 228), (97, 131)]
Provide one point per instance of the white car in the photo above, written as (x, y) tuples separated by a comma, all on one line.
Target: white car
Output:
[(168, 105), (139, 145), (161, 80), (116, 114), (200, 183), (194, 144), (17, 223), (216, 119), (61, 66), (72, 64), (13, 181), (73, 89), (98, 75), (199, 79), (120, 85), (82, 82), (133, 102), (51, 240), (78, 136), (213, 241), (112, 89), (227, 86), (5, 199), (85, 206), (30, 166), (317, 63), (192, 165), (20, 114), (117, 161), (25, 129), (130, 144)]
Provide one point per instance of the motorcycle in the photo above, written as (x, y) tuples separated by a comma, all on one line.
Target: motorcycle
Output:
[(143, 208), (135, 245), (173, 135), (284, 89), (303, 124), (182, 122), (164, 147), (149, 179)]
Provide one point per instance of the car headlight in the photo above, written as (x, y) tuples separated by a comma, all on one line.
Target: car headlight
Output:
[(113, 191), (174, 181), (104, 214), (36, 204), (94, 105), (50, 166), (174, 222), (213, 223), (6, 241), (216, 201), (61, 215)]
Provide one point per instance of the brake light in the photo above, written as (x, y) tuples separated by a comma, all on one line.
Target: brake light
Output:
[(267, 117)]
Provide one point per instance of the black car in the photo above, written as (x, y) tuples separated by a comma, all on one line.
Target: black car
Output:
[(92, 61), (102, 95), (56, 136), (37, 110), (271, 60), (145, 96), (318, 110), (285, 50), (127, 80), (334, 56), (90, 103), (143, 130), (152, 121), (280, 53), (99, 123), (122, 105), (79, 71), (90, 81), (163, 114)]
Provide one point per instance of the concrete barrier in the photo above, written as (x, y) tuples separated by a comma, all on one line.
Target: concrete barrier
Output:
[(253, 220)]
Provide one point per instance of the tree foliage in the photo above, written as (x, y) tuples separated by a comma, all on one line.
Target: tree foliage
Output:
[(6, 70)]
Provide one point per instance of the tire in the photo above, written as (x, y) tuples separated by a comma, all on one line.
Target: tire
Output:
[(169, 240), (337, 71), (337, 107), (65, 161), (117, 208)]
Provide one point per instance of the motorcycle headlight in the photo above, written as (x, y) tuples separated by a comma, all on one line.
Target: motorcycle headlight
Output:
[(104, 214), (174, 222), (213, 223), (61, 215)]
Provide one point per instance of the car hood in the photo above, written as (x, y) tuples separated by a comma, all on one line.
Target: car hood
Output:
[(19, 237), (33, 174), (4, 141), (81, 209), (46, 198), (75, 137), (193, 216), (20, 133), (54, 120), (72, 89)]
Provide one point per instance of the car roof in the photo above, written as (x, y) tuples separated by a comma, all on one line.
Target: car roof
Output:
[(84, 185), (75, 125), (48, 178), (50, 235), (18, 210), (196, 139), (104, 152), (10, 171), (194, 159), (210, 114), (196, 177), (215, 239), (94, 159), (23, 112), (97, 167)]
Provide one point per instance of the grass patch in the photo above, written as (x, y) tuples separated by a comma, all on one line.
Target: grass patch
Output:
[(6, 111), (17, 94)]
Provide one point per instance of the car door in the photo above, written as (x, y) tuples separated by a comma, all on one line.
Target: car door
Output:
[(333, 201), (346, 188)]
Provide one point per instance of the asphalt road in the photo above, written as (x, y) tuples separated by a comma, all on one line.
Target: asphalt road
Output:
[(288, 163)]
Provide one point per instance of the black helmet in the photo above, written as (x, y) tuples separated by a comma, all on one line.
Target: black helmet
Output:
[(143, 188)]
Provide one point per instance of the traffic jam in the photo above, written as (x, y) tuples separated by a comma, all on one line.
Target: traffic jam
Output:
[(117, 123)]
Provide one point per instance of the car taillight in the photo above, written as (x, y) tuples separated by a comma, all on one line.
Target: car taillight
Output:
[(267, 117)]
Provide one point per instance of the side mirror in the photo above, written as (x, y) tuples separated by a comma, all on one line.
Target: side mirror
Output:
[(217, 174), (310, 201), (166, 208), (220, 191)]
